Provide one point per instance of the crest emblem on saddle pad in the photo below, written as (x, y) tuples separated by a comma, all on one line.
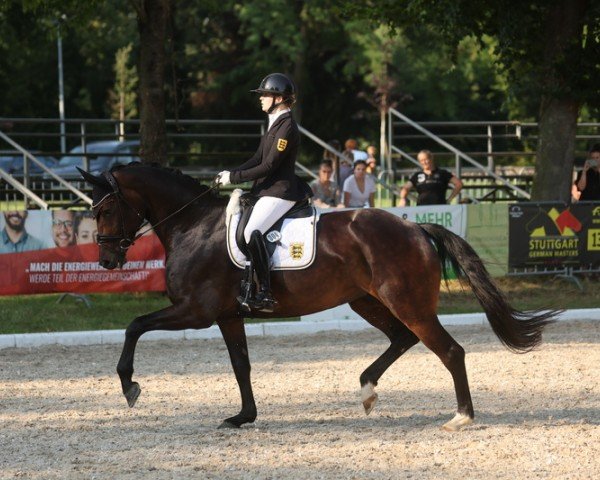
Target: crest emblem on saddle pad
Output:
[(281, 144), (297, 250)]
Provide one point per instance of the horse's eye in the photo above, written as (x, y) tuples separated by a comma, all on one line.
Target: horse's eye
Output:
[(106, 213)]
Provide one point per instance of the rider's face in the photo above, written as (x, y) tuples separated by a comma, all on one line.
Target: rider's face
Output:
[(266, 101)]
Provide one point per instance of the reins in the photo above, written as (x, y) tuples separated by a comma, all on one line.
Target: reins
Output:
[(124, 241), (152, 227)]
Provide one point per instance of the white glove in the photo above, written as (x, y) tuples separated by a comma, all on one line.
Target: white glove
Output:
[(223, 178)]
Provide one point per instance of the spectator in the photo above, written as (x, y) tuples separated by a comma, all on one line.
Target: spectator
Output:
[(62, 228), (359, 189), (345, 168), (372, 160), (431, 183), (588, 179), (86, 230), (14, 238), (326, 193), (334, 159), (350, 146)]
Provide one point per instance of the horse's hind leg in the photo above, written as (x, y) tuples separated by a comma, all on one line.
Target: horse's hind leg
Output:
[(401, 339), (170, 318), (438, 340)]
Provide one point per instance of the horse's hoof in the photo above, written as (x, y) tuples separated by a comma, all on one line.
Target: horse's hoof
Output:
[(369, 397), (459, 422), (370, 402), (132, 394), (228, 424)]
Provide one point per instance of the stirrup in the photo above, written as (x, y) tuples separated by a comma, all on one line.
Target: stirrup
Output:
[(245, 298)]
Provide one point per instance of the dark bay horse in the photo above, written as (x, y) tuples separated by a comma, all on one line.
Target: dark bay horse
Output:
[(388, 270)]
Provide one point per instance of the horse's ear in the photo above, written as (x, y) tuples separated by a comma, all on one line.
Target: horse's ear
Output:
[(98, 180)]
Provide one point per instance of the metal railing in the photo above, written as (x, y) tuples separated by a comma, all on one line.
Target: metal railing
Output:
[(459, 155), (23, 187), (182, 136), (492, 142)]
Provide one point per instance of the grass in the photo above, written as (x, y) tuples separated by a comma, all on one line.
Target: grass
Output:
[(42, 313), (526, 293)]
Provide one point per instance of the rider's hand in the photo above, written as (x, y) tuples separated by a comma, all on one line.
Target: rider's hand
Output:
[(223, 178)]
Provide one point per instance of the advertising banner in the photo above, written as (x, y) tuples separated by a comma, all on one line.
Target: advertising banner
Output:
[(554, 235), (453, 217), (55, 251)]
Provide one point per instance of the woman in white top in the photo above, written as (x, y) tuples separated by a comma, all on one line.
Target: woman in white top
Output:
[(359, 188)]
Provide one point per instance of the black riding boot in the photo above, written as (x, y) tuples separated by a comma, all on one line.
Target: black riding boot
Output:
[(246, 297), (264, 300)]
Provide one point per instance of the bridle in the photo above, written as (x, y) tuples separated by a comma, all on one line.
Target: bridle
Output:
[(124, 240)]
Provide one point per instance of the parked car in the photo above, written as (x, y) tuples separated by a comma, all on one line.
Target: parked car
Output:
[(102, 156), (12, 162)]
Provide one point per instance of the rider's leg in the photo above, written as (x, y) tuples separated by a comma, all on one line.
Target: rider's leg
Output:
[(264, 300), (265, 213), (246, 297)]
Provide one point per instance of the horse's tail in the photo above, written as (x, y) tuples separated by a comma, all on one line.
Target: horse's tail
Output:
[(519, 331)]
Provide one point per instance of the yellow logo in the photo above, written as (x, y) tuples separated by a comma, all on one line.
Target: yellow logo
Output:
[(281, 144), (297, 250)]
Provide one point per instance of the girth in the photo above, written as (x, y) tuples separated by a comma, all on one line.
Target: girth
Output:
[(301, 209)]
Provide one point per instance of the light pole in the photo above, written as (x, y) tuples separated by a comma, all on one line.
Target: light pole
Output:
[(61, 94)]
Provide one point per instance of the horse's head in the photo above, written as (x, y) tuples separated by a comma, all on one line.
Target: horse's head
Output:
[(117, 217)]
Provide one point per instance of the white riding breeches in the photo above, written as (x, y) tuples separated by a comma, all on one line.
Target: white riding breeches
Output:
[(265, 213)]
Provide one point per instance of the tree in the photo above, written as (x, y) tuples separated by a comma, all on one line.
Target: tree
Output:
[(153, 17), (552, 45), (123, 98)]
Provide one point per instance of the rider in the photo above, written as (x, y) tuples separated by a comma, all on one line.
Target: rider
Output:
[(275, 183)]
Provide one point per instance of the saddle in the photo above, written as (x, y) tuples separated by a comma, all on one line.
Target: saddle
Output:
[(291, 241)]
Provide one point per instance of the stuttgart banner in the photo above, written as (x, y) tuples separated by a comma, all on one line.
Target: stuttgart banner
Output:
[(56, 251), (554, 235)]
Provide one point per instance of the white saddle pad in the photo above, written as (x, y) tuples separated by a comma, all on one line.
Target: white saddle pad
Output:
[(296, 249)]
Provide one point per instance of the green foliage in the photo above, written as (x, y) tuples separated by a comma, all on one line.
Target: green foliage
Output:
[(525, 34), (123, 97), (443, 60)]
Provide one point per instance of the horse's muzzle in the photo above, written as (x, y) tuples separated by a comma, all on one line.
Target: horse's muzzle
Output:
[(111, 260)]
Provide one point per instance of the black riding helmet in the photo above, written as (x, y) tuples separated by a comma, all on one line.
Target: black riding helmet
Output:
[(278, 84)]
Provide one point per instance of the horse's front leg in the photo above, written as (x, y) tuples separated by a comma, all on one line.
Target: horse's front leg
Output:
[(174, 317), (235, 339)]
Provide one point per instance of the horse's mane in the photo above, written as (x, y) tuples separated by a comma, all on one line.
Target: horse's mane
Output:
[(175, 174)]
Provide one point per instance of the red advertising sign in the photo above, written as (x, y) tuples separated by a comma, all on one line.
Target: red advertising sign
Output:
[(46, 252)]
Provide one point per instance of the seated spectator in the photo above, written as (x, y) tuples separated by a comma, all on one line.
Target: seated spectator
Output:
[(340, 165), (345, 168), (326, 193), (359, 188), (328, 155), (349, 146), (372, 160), (431, 183), (588, 179)]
